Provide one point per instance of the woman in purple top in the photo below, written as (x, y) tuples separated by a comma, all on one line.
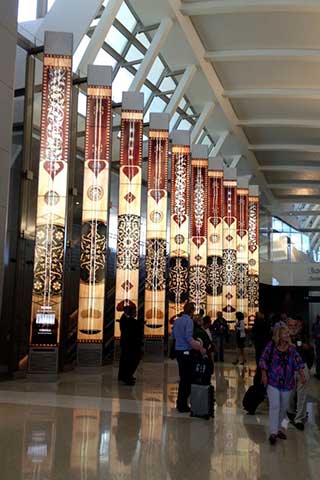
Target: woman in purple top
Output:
[(279, 362)]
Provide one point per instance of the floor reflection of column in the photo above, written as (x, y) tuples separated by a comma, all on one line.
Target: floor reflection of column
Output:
[(152, 428), (84, 461), (125, 435), (38, 444)]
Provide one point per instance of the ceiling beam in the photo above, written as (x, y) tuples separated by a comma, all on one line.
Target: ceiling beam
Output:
[(284, 148), (296, 93), (274, 54), (152, 53), (312, 199), (181, 89), (213, 80), (296, 213), (235, 160), (279, 122), (249, 6), (290, 168), (202, 120), (303, 184), (217, 147), (99, 34)]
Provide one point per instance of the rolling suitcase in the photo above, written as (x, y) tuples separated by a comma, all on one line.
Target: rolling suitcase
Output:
[(253, 397), (202, 401)]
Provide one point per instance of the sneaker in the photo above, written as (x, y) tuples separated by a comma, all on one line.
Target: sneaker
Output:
[(298, 425), (282, 435), (272, 439), (291, 416)]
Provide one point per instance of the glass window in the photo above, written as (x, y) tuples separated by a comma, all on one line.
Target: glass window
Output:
[(182, 103), (78, 54), (279, 247), (50, 3), (167, 84), (94, 22), (184, 125), (146, 91), (27, 10), (143, 39), (174, 120), (133, 54), (206, 141), (157, 105), (121, 84), (82, 104), (156, 70), (116, 40), (103, 58), (126, 18)]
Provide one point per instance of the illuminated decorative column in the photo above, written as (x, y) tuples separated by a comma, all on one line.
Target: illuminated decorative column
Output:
[(179, 222), (198, 227), (156, 260), (229, 253), (253, 239), (242, 247), (95, 211), (52, 199), (215, 237), (128, 245)]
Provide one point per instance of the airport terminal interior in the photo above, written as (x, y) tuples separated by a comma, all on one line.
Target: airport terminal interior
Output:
[(159, 157)]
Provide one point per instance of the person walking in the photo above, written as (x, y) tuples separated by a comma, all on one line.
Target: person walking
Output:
[(297, 409), (316, 337), (182, 333), (240, 338), (279, 362), (131, 345), (220, 332), (261, 334)]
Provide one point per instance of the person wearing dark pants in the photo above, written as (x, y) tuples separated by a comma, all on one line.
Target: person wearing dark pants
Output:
[(183, 335), (131, 345), (316, 337), (220, 331)]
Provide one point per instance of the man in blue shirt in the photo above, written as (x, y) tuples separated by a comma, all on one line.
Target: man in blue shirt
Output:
[(183, 334)]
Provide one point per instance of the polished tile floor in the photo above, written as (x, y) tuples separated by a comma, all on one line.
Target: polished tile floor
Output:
[(87, 427)]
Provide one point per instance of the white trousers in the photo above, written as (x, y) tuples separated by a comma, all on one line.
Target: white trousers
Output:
[(278, 404)]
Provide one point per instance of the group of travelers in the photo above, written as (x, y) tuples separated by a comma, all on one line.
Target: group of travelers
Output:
[(283, 352), (285, 356)]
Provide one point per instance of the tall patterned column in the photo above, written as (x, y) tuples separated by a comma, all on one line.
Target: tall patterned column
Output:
[(155, 285), (242, 247), (95, 208), (253, 271), (215, 238), (179, 223), (52, 198), (198, 227), (128, 246), (229, 254)]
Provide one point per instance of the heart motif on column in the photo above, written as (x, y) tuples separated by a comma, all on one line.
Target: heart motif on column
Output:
[(157, 195), (53, 168), (96, 166), (130, 171), (179, 219)]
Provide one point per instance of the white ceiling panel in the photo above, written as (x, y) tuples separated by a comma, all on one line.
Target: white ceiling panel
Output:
[(283, 135), (269, 74), (267, 30), (281, 107)]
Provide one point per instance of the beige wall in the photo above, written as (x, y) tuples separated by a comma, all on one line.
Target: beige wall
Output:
[(8, 32)]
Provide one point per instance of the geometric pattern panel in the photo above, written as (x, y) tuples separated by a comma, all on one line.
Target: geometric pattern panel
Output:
[(52, 194), (129, 212), (156, 251), (253, 258), (242, 251), (96, 180)]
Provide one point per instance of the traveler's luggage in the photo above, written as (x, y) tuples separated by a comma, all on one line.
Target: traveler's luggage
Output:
[(202, 370), (253, 397), (202, 401)]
